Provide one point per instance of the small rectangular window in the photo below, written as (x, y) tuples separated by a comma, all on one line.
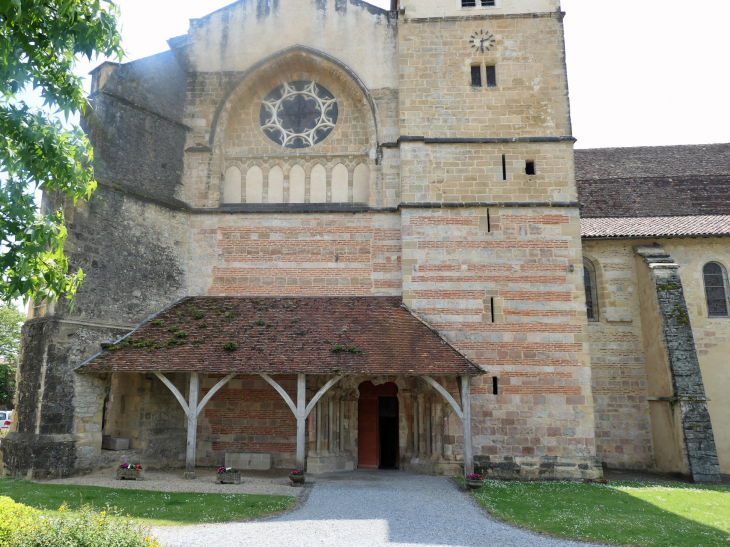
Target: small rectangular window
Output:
[(495, 385), (504, 167), (491, 76), (478, 3), (530, 168), (476, 76)]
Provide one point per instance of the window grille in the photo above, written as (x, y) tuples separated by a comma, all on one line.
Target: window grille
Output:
[(491, 76), (715, 289), (476, 76), (589, 279), (478, 3)]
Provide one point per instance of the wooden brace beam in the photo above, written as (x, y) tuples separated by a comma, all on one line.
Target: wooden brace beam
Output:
[(175, 391), (213, 391), (281, 391), (442, 390), (319, 394)]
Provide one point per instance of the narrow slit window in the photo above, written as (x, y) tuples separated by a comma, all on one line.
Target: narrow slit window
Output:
[(476, 76), (489, 222), (589, 279), (491, 76), (715, 289), (504, 167), (495, 385), (530, 168)]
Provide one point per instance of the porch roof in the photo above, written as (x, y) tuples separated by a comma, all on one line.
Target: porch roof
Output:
[(315, 335)]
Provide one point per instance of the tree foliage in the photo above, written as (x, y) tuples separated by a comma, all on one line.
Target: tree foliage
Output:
[(40, 42), (11, 320)]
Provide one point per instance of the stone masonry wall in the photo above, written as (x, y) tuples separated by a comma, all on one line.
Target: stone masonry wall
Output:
[(57, 425), (474, 172), (623, 425), (296, 254), (499, 288), (436, 97)]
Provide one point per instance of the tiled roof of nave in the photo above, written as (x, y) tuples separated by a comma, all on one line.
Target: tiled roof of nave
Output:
[(654, 181)]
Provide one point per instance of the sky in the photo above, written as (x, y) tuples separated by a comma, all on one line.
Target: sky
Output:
[(641, 73)]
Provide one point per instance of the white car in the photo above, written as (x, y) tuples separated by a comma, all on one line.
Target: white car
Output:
[(5, 416)]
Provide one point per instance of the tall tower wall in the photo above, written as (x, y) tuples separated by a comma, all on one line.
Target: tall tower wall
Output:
[(491, 233)]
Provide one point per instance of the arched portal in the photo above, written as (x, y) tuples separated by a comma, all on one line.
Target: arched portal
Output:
[(377, 418)]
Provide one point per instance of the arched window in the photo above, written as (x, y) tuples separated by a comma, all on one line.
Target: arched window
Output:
[(715, 289), (589, 279)]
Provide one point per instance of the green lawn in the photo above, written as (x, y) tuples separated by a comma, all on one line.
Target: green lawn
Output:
[(624, 513), (154, 508)]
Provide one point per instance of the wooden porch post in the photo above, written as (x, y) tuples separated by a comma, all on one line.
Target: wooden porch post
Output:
[(301, 419), (464, 414), (466, 423), (301, 410), (192, 410), (192, 425)]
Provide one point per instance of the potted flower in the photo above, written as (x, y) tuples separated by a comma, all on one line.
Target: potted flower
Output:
[(228, 475), (129, 471), (474, 481), (296, 477)]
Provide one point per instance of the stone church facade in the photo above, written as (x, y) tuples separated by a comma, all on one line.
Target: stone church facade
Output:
[(403, 180)]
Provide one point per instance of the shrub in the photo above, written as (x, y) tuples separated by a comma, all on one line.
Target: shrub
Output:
[(87, 527), (230, 346), (13, 516)]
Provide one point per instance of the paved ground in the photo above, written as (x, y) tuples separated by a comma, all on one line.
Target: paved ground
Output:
[(369, 509), (273, 481)]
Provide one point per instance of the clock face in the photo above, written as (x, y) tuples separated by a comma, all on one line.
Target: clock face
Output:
[(482, 40)]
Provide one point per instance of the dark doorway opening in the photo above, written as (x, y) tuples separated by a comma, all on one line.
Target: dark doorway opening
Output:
[(378, 426), (388, 432)]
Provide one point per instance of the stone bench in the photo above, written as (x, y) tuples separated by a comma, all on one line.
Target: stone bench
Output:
[(248, 460)]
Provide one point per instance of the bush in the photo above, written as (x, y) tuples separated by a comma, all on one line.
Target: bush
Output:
[(13, 516), (87, 527)]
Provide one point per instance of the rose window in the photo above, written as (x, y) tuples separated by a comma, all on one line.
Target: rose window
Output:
[(298, 114)]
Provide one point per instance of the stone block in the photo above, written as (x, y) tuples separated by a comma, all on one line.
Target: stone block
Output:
[(114, 443), (248, 460)]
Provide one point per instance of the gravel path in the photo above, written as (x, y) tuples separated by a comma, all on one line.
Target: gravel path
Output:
[(369, 509), (274, 481)]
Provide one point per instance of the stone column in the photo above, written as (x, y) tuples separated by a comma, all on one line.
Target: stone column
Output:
[(421, 429), (318, 419), (330, 425)]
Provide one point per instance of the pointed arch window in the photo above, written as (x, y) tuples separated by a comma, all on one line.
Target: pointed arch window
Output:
[(589, 279), (715, 277)]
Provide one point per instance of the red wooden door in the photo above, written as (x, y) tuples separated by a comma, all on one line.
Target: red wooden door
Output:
[(367, 433)]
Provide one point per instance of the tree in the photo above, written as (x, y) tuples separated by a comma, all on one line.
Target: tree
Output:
[(11, 320), (40, 41)]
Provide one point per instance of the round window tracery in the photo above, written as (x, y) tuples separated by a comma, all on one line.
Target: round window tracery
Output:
[(298, 114)]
